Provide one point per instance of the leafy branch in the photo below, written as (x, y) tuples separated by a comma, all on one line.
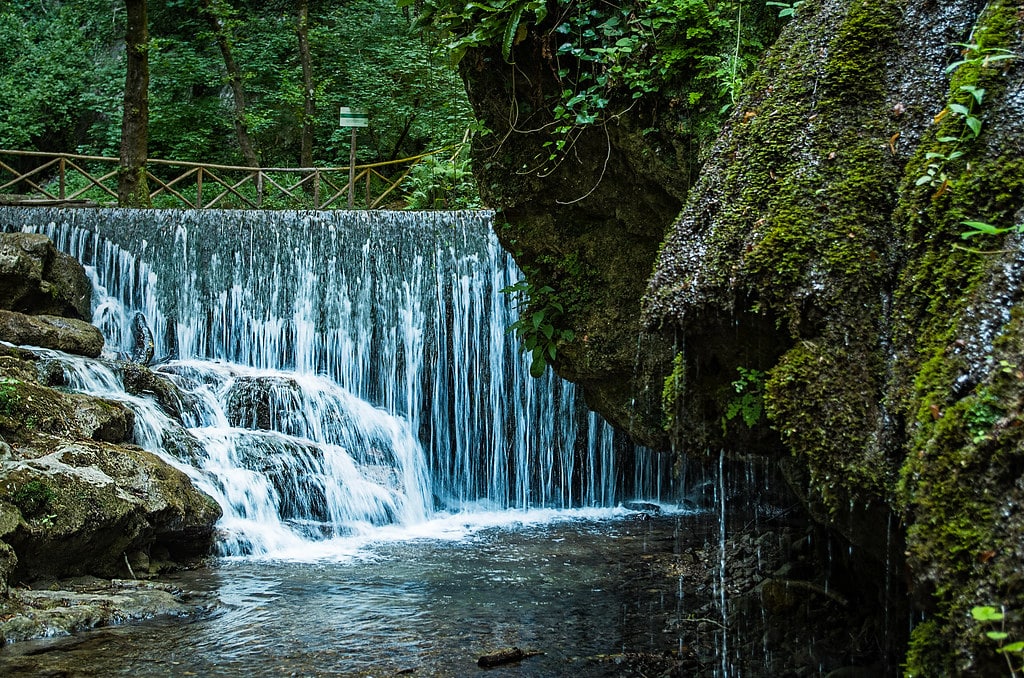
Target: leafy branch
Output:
[(966, 109), (607, 56), (748, 403), (537, 327)]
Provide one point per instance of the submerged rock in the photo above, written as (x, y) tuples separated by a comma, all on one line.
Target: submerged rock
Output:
[(642, 507), (86, 603)]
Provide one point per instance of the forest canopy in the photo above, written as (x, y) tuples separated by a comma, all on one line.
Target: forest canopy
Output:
[(62, 78)]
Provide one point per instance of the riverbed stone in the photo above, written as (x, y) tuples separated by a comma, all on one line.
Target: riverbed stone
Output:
[(86, 603)]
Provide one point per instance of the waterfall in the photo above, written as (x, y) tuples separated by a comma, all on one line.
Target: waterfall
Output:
[(338, 353)]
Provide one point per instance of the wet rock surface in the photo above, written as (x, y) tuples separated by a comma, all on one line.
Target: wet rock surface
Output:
[(62, 334), (77, 497), (60, 608)]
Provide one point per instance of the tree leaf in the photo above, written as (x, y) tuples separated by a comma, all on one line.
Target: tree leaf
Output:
[(974, 124), (511, 28), (986, 613), (537, 367)]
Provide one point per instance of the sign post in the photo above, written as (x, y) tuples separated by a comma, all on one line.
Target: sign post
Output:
[(354, 118)]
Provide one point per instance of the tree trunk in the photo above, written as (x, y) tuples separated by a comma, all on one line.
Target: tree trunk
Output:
[(308, 92), (220, 32), (132, 190)]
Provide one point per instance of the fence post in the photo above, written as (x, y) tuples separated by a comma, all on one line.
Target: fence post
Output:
[(352, 170), (259, 188), (316, 189), (199, 189), (62, 180), (368, 173)]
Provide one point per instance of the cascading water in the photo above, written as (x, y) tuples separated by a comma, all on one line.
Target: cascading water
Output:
[(342, 370)]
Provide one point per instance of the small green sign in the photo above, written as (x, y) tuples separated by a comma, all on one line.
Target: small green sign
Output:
[(354, 117)]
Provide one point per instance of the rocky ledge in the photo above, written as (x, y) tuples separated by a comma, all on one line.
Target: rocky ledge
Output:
[(78, 497)]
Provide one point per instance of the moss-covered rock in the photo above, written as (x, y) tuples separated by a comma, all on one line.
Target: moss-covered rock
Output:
[(88, 505), (76, 498), (833, 207), (587, 224), (816, 273)]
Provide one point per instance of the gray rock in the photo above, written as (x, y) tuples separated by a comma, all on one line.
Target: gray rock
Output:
[(63, 334), (98, 502), (35, 278), (78, 607), (104, 420)]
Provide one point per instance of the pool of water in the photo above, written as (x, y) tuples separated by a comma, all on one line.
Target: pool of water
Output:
[(588, 593)]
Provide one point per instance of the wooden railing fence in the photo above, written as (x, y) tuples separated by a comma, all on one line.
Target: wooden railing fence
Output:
[(65, 177)]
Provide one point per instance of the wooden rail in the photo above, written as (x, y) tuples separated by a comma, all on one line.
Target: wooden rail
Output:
[(65, 177)]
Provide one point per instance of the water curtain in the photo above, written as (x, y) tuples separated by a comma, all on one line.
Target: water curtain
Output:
[(380, 335)]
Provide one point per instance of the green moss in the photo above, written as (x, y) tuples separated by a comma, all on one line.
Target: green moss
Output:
[(857, 54), (926, 650), (825, 225), (809, 400), (32, 497), (964, 451), (672, 392), (10, 397)]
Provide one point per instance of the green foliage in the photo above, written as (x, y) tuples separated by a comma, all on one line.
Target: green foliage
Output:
[(57, 72), (459, 26), (748, 403), (538, 327), (10, 398), (672, 390), (33, 497), (694, 53), (442, 185), (62, 86), (994, 620), (984, 228), (962, 112), (981, 414), (786, 9)]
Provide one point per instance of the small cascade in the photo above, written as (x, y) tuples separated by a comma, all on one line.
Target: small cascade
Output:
[(343, 370)]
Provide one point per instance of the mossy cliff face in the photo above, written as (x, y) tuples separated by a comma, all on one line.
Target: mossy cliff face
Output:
[(825, 227), (587, 224)]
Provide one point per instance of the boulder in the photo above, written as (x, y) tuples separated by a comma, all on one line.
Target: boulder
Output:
[(36, 278), (87, 505), (49, 331), (105, 420), (140, 380)]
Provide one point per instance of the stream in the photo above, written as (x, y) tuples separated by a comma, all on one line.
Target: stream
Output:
[(588, 589)]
